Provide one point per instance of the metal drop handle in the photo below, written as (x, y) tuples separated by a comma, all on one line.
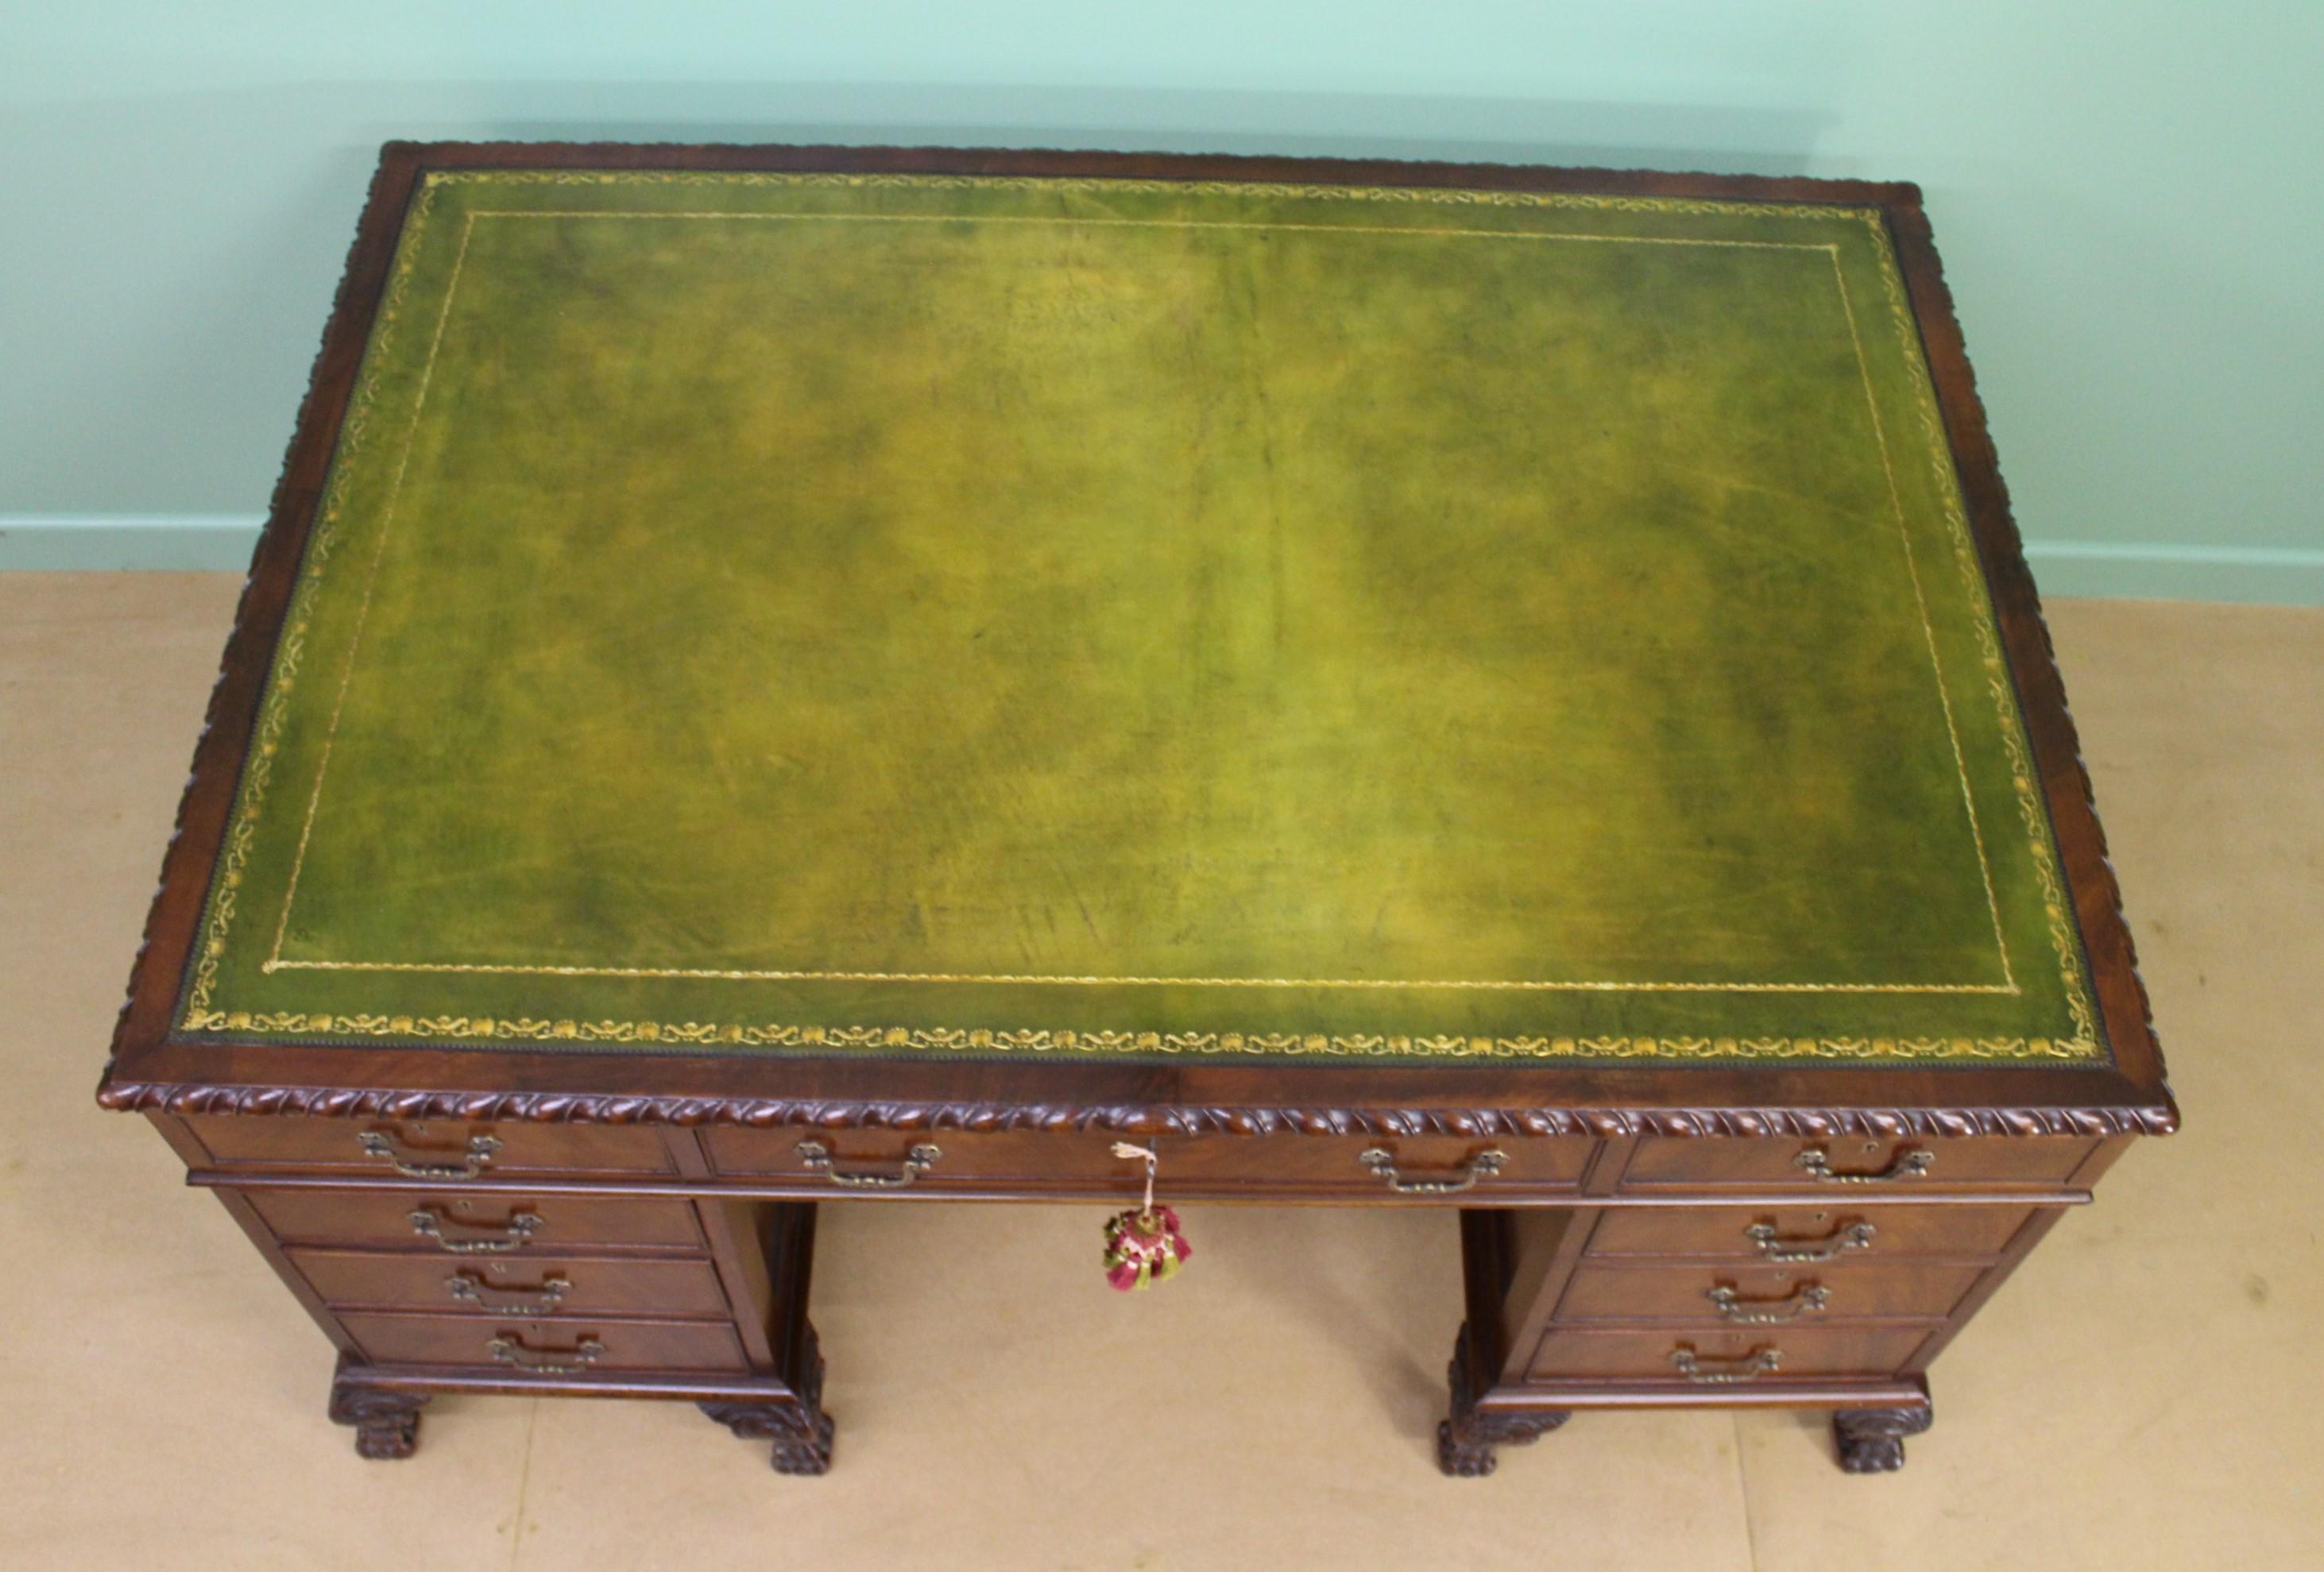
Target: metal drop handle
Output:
[(1483, 1165), (1908, 1164), (510, 1349), (1808, 1251), (1810, 1299), (917, 1162), (1728, 1372), (473, 1289), (376, 1143), (519, 1227)]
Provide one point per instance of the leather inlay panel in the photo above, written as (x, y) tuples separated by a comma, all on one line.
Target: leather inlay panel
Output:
[(1219, 791)]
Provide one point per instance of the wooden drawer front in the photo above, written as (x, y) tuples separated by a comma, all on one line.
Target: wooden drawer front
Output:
[(872, 1161), (1725, 1361), (1854, 1164), (1807, 1296), (388, 1147), (550, 1348), (471, 1225), (1785, 1235), (535, 1282), (1082, 1162), (1378, 1168)]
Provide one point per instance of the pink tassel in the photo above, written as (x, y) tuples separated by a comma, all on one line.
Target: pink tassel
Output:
[(1143, 1246)]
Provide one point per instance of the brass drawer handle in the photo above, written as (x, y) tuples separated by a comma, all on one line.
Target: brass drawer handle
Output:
[(376, 1143), (473, 1290), (508, 1350), (1726, 1372), (1785, 1252), (1483, 1165), (917, 1162), (1909, 1165), (428, 1224), (1811, 1298)]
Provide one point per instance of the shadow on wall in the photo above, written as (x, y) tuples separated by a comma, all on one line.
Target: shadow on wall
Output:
[(172, 256)]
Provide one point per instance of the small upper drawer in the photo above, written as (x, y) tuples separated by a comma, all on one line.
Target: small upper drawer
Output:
[(1083, 1162), (1733, 1293), (474, 1223), (1807, 1235), (1853, 1163), (447, 1151)]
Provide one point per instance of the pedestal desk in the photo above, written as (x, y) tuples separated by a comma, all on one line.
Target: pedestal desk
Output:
[(779, 675)]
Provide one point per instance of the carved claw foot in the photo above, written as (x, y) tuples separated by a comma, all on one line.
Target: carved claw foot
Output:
[(800, 1435), (1464, 1447), (795, 1425), (386, 1422), (1465, 1441), (1872, 1440)]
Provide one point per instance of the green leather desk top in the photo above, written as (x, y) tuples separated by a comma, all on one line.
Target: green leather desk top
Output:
[(941, 615)]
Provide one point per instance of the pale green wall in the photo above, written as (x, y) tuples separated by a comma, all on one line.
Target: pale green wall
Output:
[(2129, 197)]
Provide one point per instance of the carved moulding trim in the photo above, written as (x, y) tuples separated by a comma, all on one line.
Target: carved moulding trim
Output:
[(1169, 1119)]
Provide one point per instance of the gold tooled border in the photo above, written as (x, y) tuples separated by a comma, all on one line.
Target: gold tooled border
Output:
[(196, 1016), (979, 1040)]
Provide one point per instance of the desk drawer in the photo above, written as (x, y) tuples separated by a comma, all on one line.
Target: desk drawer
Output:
[(871, 1162), (472, 1225), (535, 1282), (1723, 1361), (1807, 1236), (1853, 1164), (426, 1148), (545, 1348), (1219, 1167), (1712, 1293)]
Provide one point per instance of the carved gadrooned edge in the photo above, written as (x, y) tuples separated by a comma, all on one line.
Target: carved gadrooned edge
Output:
[(1103, 163), (278, 515), (1129, 1118), (1977, 442), (1465, 1440)]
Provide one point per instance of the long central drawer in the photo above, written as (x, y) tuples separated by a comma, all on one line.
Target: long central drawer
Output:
[(1083, 1163)]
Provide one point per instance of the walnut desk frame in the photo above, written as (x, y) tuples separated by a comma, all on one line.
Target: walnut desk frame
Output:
[(779, 675)]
